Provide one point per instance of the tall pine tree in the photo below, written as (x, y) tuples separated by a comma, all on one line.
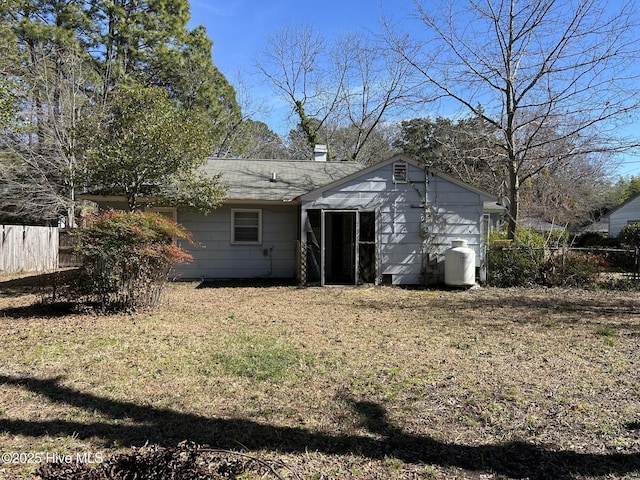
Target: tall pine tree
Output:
[(69, 57)]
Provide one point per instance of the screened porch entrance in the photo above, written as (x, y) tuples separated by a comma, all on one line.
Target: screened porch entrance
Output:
[(341, 247)]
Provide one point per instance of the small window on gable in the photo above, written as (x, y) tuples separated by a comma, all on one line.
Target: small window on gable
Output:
[(400, 172), (246, 226)]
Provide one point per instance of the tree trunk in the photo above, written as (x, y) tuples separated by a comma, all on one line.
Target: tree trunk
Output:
[(514, 199)]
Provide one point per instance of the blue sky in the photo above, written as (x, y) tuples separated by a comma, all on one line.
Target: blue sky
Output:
[(239, 29)]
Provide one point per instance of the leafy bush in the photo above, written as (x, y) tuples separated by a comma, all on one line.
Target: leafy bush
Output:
[(126, 258), (624, 284), (513, 266), (530, 239), (532, 261), (576, 269), (518, 265), (594, 239), (630, 235)]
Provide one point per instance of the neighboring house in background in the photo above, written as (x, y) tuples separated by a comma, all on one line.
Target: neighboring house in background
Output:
[(540, 225), (494, 215), (628, 212), (332, 223), (601, 227)]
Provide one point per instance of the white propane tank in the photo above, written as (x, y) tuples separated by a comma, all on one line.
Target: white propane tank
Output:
[(460, 265)]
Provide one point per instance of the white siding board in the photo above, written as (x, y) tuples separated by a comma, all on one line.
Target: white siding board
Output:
[(620, 217), (216, 257), (402, 260), (402, 249), (373, 186), (394, 238)]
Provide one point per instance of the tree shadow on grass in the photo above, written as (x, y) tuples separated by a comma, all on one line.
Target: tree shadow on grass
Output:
[(35, 283), (604, 306), (132, 424), (44, 310), (14, 287), (248, 283), (53, 290)]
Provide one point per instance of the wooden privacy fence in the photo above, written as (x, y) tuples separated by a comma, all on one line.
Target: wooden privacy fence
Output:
[(66, 257), (28, 248)]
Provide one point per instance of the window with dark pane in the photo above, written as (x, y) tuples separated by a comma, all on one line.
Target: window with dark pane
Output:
[(246, 226)]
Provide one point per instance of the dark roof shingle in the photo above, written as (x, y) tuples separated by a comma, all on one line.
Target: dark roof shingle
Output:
[(250, 179)]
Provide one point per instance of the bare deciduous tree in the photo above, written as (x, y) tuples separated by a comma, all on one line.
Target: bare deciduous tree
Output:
[(293, 63), (39, 168), (556, 78), (340, 93), (375, 85), (571, 193)]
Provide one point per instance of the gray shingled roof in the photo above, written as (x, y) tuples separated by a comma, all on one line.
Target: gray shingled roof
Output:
[(252, 179)]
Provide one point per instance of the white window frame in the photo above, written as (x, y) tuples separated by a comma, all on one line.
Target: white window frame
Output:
[(403, 167), (233, 226)]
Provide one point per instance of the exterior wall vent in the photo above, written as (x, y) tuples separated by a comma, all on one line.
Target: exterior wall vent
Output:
[(387, 279), (400, 172)]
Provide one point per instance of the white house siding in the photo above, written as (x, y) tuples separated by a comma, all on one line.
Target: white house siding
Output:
[(216, 257), (410, 251), (625, 214)]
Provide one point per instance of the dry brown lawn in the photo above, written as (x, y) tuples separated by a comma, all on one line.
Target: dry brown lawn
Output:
[(371, 382)]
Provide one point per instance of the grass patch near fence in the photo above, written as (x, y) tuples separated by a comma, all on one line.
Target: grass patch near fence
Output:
[(335, 382)]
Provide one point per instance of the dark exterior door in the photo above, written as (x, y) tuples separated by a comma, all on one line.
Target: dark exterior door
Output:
[(348, 247)]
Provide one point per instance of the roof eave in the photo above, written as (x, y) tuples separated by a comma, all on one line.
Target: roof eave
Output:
[(254, 201)]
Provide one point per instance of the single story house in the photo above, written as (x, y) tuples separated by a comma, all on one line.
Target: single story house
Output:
[(628, 212), (333, 223)]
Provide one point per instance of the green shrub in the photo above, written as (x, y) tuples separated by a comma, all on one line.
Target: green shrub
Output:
[(513, 266), (594, 239), (531, 261), (575, 269), (517, 265), (630, 235), (530, 239), (126, 258), (624, 284)]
